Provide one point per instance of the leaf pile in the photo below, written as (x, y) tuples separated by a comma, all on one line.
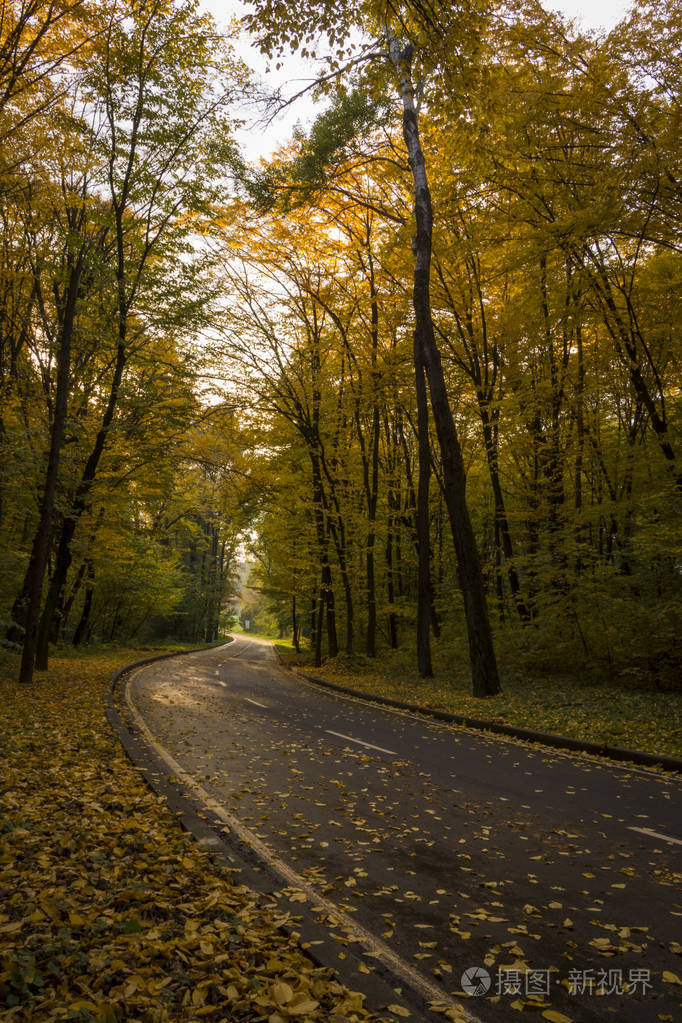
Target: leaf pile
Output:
[(110, 913), (580, 708)]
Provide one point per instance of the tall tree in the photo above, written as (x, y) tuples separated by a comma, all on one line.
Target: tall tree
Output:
[(154, 74)]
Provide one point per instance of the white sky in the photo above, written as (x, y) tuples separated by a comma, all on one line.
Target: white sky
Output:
[(257, 141)]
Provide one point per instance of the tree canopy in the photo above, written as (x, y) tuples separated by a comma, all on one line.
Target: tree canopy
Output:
[(423, 363)]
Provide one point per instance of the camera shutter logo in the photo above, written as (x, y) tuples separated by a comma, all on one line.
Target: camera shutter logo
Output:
[(476, 981)]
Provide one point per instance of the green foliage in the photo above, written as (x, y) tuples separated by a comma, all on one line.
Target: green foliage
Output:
[(335, 137), (121, 186), (555, 297), (555, 300)]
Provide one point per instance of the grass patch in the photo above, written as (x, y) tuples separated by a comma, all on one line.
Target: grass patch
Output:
[(617, 713), (272, 636), (111, 912)]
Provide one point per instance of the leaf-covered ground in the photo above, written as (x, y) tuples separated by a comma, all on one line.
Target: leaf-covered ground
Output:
[(620, 714), (109, 910)]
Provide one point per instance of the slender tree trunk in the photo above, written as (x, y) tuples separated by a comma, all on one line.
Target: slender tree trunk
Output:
[(485, 677), (332, 641), (372, 471), (222, 569), (326, 600), (390, 580), (69, 602), (314, 620), (503, 532), (338, 533), (318, 626), (580, 448), (78, 507), (392, 523), (498, 570), (294, 624), (371, 641), (211, 586), (84, 621), (630, 346), (424, 591), (115, 622), (348, 598), (33, 583)]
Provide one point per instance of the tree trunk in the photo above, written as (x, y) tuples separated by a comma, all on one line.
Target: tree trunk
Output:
[(80, 504), (481, 652), (326, 586), (84, 621), (70, 600), (503, 531), (338, 533), (372, 472), (294, 624), (332, 641), (318, 627), (314, 622), (424, 591), (629, 343), (35, 574)]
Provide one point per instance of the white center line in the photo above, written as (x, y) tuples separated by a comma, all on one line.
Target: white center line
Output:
[(360, 742), (255, 703), (375, 948), (657, 834)]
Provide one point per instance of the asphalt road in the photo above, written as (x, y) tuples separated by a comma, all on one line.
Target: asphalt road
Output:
[(557, 874)]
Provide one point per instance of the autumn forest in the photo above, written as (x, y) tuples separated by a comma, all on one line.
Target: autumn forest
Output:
[(421, 367)]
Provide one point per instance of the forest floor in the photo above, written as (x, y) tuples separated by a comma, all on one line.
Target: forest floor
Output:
[(621, 712), (111, 911)]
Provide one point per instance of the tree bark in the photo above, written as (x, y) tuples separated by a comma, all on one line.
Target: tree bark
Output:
[(326, 597), (372, 469), (501, 521), (78, 507), (484, 672), (84, 620), (424, 590), (35, 574)]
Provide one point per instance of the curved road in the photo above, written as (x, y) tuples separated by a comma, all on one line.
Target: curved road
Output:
[(557, 875)]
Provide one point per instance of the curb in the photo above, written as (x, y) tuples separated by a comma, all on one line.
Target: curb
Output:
[(617, 753)]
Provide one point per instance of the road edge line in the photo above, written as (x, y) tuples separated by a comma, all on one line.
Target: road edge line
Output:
[(402, 972), (618, 754)]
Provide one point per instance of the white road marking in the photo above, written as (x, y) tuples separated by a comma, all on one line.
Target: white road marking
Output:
[(656, 834), (583, 760), (360, 742), (335, 917), (255, 703)]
